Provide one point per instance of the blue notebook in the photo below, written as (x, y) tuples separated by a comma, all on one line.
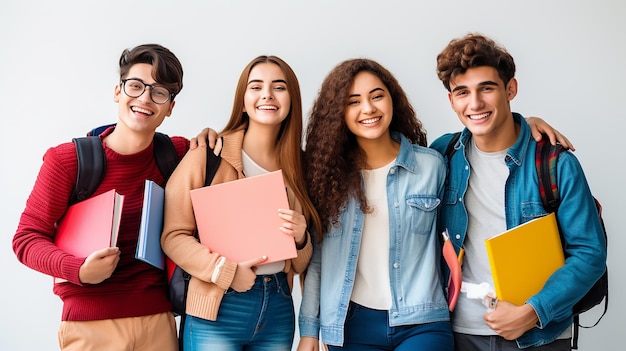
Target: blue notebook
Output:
[(149, 241)]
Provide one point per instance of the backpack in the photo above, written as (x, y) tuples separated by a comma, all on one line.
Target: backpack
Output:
[(546, 160), (546, 156)]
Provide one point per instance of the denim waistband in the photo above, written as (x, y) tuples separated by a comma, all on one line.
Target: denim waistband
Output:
[(271, 280)]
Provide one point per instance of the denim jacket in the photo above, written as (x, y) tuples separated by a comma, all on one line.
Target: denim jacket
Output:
[(414, 189), (584, 242)]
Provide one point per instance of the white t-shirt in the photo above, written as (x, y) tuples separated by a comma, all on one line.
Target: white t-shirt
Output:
[(484, 201), (371, 284)]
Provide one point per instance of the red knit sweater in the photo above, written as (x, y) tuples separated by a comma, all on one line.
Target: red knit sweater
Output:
[(135, 288)]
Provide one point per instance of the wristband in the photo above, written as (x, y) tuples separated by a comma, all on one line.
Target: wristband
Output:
[(218, 268)]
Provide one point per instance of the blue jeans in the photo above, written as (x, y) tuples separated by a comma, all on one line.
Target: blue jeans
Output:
[(260, 319), (368, 329)]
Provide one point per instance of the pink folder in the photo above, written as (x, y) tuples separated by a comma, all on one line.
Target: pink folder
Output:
[(239, 219)]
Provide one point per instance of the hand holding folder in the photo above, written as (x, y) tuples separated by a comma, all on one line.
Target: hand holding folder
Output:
[(239, 219), (523, 258), (90, 225)]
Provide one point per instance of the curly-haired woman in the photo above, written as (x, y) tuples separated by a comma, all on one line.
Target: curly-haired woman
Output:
[(374, 280)]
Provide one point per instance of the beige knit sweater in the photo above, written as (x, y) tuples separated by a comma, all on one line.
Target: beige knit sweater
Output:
[(204, 297)]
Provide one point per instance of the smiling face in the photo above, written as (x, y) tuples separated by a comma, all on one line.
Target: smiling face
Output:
[(267, 100), (481, 101), (141, 114), (369, 108)]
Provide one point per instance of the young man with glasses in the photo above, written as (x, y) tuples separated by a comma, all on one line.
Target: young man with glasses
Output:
[(111, 301)]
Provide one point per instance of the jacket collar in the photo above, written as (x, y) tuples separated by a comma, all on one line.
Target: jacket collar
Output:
[(404, 158), (516, 152)]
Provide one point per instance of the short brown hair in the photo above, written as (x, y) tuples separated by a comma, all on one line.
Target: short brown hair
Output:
[(473, 50), (166, 68)]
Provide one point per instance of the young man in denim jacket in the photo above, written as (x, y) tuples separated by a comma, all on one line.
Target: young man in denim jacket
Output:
[(493, 171)]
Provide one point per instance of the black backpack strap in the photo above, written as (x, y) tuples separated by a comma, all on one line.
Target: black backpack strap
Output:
[(212, 163), (165, 154), (91, 166), (450, 150)]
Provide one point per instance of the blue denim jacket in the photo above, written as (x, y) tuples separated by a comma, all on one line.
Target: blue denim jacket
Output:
[(577, 217), (414, 189)]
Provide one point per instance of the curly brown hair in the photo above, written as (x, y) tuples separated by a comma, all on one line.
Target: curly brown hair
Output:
[(289, 139), (332, 155), (473, 50)]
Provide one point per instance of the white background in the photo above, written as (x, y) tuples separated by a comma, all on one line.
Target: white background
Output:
[(59, 67)]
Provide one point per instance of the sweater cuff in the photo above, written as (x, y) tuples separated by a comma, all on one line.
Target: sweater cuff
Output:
[(306, 240), (71, 270), (226, 274)]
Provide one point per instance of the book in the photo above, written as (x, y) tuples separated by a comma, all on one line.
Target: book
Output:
[(523, 258), (149, 240), (90, 225), (239, 219)]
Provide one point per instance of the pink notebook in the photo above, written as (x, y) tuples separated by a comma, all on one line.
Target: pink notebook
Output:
[(90, 225), (239, 219)]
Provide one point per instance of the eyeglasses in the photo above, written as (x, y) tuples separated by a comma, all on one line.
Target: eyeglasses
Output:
[(134, 88)]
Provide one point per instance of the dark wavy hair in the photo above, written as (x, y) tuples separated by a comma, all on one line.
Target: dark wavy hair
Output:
[(333, 158), (166, 68), (473, 50), (289, 139)]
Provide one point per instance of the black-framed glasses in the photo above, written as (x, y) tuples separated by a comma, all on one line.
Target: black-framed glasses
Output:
[(134, 88)]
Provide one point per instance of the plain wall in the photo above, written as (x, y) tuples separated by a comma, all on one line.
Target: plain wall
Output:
[(59, 68)]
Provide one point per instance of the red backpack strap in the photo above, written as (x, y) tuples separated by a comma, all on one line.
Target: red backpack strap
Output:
[(546, 157)]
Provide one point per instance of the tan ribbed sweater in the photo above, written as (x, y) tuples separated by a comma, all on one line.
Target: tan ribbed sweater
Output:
[(204, 297)]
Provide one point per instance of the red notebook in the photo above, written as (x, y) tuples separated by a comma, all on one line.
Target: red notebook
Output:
[(90, 225), (239, 219)]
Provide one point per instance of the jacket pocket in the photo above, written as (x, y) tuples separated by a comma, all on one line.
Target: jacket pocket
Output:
[(532, 210), (451, 196), (422, 209)]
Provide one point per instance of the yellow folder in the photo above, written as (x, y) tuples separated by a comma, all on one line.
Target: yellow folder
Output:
[(523, 258)]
